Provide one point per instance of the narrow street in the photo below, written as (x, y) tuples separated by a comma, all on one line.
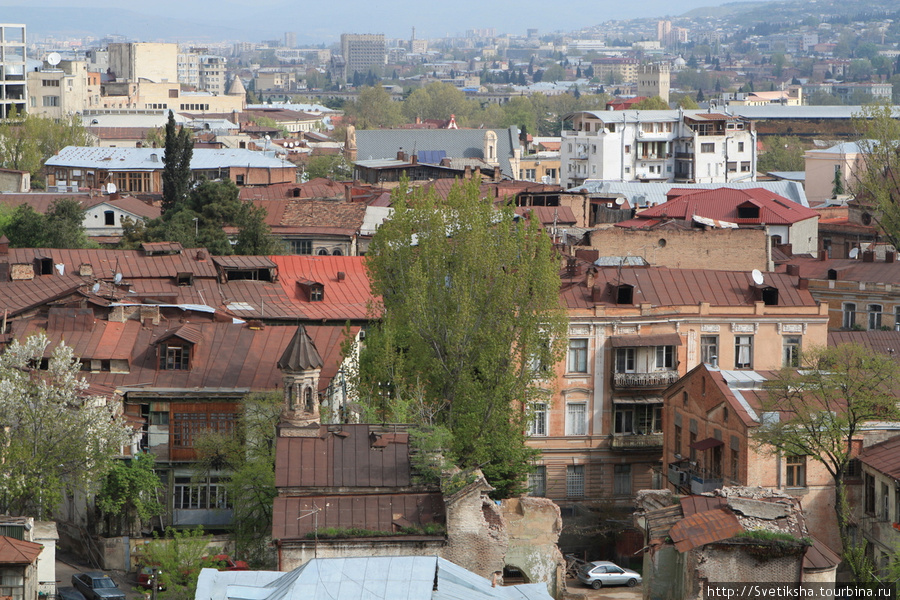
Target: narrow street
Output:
[(578, 591)]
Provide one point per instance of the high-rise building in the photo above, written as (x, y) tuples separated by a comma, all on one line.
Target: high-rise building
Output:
[(13, 88), (362, 51), (290, 39), (154, 62)]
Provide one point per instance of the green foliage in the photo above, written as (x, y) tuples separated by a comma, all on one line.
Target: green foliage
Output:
[(340, 533), (61, 227), (329, 167), (654, 103), (877, 183), (373, 109), (176, 175), (130, 491), (430, 458), (837, 184), (178, 556), (781, 154), (214, 205), (839, 389), (688, 103), (462, 326), (438, 101), (55, 438), (764, 535), (27, 141), (248, 462)]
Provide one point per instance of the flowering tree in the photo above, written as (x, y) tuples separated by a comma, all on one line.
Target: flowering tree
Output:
[(55, 437)]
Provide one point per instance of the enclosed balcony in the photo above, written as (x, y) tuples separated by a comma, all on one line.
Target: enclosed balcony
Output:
[(656, 379), (645, 362), (637, 423)]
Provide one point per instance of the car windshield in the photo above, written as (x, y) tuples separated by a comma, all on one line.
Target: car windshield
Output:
[(104, 582)]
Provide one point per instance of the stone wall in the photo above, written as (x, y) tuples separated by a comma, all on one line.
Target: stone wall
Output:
[(533, 526)]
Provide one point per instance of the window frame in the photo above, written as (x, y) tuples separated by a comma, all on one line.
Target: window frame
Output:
[(848, 315), (791, 346), (576, 359), (537, 426), (537, 482), (574, 425), (795, 471), (738, 346), (707, 343), (874, 313), (626, 360), (575, 476)]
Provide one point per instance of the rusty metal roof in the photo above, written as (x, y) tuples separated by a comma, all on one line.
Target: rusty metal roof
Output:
[(344, 299), (300, 354), (374, 512), (341, 456), (849, 269), (244, 262), (819, 556), (884, 457), (885, 342), (694, 504), (18, 552), (703, 528), (133, 264)]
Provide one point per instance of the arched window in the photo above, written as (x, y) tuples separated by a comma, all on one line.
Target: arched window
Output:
[(337, 252), (322, 252)]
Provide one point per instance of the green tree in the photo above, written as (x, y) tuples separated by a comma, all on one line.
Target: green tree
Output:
[(65, 225), (178, 556), (438, 101), (373, 109), (255, 236), (328, 167), (877, 182), (839, 389), (129, 495), (249, 461), (654, 103), (55, 437), (554, 73), (176, 175), (27, 228), (837, 184), (27, 141), (781, 153), (463, 330), (688, 103)]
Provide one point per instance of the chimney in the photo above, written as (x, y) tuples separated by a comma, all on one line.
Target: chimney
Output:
[(414, 159), (4, 245), (869, 256), (793, 270), (823, 254), (341, 276), (890, 257), (401, 155), (803, 284)]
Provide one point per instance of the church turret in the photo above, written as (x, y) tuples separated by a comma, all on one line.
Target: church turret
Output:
[(300, 366)]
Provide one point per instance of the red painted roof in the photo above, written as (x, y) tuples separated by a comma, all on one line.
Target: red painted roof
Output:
[(18, 552), (722, 204), (349, 298)]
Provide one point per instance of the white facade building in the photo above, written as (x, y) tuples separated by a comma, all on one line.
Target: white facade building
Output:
[(13, 88), (657, 145)]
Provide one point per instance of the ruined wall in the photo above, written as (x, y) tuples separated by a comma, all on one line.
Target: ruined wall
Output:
[(664, 569), (533, 526), (725, 562), (476, 532)]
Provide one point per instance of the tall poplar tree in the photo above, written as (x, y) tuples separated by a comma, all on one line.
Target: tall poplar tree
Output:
[(176, 176)]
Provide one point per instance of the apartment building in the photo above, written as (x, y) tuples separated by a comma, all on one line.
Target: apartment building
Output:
[(55, 91), (13, 85), (362, 51), (633, 332), (130, 61), (657, 146)]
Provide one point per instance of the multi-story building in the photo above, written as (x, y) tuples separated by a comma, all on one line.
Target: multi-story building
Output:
[(633, 332), (362, 51), (13, 86), (212, 74), (654, 80), (823, 165), (189, 69), (154, 62), (64, 89), (657, 145), (616, 69)]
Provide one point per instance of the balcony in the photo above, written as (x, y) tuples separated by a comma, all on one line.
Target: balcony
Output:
[(636, 441), (698, 481), (636, 381)]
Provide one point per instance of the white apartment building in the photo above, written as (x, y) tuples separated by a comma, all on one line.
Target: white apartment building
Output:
[(13, 89), (692, 146), (55, 91)]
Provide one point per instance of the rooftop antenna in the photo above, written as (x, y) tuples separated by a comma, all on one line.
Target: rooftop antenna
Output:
[(854, 253), (757, 276), (53, 59)]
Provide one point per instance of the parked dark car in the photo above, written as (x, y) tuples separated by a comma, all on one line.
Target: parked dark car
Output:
[(69, 593), (95, 585)]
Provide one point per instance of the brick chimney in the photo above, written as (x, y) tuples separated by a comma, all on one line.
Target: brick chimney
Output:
[(890, 257), (869, 256), (793, 270)]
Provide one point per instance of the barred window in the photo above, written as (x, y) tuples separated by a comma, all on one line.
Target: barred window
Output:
[(187, 426)]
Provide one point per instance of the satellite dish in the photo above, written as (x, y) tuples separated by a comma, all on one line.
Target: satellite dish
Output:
[(620, 201), (757, 276), (96, 287), (53, 58), (118, 278), (854, 253), (111, 188)]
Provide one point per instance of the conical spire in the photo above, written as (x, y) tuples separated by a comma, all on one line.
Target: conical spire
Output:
[(236, 88), (300, 354)]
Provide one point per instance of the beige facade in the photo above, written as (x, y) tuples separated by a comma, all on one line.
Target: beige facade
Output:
[(537, 168), (135, 61), (821, 166), (168, 96), (654, 80), (68, 88)]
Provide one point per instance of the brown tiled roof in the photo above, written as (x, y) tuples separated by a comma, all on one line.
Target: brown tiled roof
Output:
[(884, 457), (18, 552), (323, 213)]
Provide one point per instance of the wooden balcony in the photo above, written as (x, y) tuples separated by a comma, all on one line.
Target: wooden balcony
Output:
[(645, 381)]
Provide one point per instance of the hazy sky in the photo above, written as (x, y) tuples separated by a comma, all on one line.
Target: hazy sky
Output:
[(324, 21)]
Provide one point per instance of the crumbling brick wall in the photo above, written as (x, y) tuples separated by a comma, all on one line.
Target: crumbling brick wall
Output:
[(533, 526), (476, 532)]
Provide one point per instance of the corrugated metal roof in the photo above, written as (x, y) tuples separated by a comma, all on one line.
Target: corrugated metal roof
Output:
[(371, 577), (703, 528), (244, 262), (885, 342), (849, 269), (884, 457), (653, 193), (18, 552), (141, 159)]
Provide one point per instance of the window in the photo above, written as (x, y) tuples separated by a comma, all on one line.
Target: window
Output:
[(185, 426), (537, 481), (849, 315), (795, 471), (159, 418), (538, 420), (206, 494), (239, 179), (676, 444), (301, 246), (709, 349), (50, 83), (791, 351), (576, 423), (625, 360), (869, 494), (707, 147), (874, 316), (665, 357), (622, 480), (575, 481), (627, 148), (743, 352), (51, 100), (12, 582), (578, 356), (109, 217), (740, 146), (641, 419), (174, 357), (897, 328)]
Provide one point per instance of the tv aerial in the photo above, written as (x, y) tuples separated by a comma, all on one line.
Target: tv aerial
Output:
[(53, 59), (757, 276), (854, 253), (117, 279), (111, 188)]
